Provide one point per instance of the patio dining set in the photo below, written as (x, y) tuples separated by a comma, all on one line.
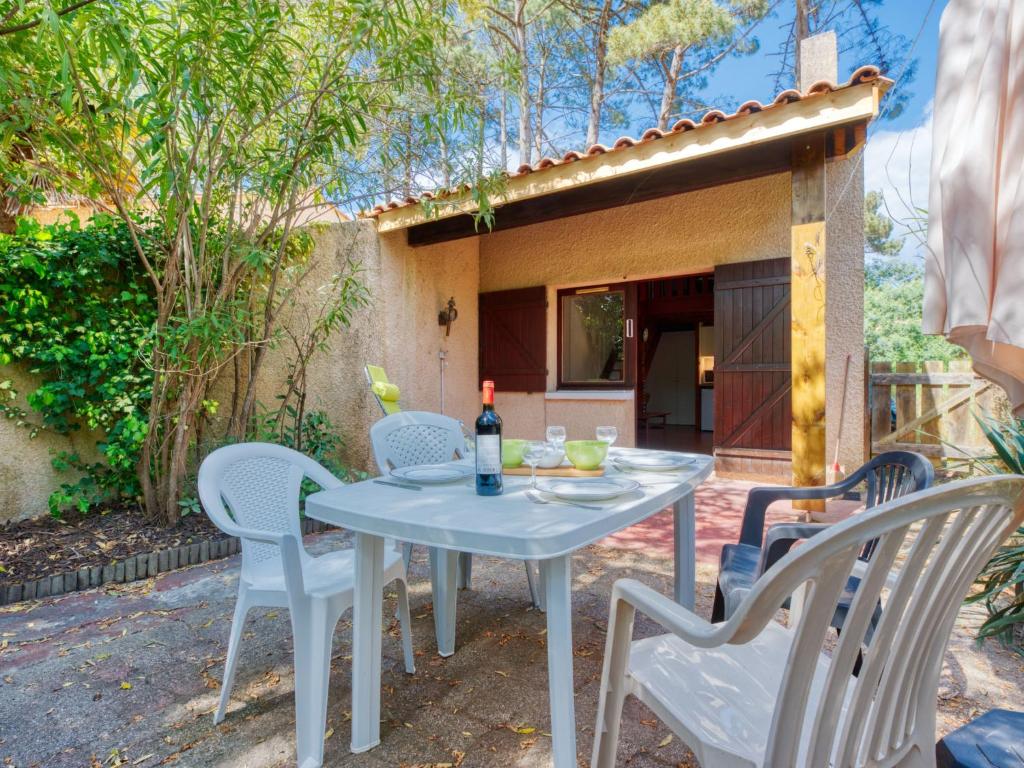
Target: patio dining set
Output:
[(745, 689)]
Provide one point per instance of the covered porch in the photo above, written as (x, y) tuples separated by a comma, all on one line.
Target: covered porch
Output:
[(696, 287)]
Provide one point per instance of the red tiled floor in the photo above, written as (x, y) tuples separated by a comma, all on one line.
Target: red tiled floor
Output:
[(673, 437), (720, 505)]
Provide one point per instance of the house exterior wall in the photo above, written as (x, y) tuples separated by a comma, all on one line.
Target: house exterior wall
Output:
[(844, 311), (398, 331), (685, 234), (416, 284)]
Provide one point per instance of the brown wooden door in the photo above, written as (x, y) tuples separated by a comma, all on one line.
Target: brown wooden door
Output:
[(753, 410)]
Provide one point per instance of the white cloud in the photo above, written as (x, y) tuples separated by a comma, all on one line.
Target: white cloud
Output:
[(897, 164)]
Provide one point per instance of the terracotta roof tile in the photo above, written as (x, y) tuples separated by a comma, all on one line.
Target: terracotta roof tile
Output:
[(712, 117), (788, 96), (686, 124), (822, 86), (715, 116), (750, 107), (864, 74)]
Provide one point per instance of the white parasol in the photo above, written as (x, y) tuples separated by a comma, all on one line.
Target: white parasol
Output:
[(974, 273)]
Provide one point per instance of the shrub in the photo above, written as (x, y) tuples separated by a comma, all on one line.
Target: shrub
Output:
[(75, 311), (1002, 580)]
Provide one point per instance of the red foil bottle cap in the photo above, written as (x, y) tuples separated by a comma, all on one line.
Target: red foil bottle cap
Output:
[(488, 388)]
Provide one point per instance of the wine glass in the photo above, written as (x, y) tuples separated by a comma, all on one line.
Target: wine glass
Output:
[(607, 435), (556, 436), (533, 453)]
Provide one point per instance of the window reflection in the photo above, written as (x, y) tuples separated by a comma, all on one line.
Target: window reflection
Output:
[(592, 337)]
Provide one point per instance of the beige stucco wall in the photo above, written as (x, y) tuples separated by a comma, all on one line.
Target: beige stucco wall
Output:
[(27, 476), (675, 235), (398, 330), (844, 310), (416, 285), (527, 415)]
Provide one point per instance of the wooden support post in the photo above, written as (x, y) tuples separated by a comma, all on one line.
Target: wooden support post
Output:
[(807, 291)]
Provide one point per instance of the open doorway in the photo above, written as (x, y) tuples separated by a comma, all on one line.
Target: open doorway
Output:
[(675, 363)]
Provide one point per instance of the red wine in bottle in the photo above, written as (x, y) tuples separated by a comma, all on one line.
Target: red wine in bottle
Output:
[(488, 446)]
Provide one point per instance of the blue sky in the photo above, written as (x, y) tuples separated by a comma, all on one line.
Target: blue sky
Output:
[(898, 153), (750, 77)]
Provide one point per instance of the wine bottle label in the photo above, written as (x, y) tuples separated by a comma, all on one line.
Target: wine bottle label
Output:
[(488, 455)]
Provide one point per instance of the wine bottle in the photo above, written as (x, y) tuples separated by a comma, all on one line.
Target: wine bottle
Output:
[(488, 446)]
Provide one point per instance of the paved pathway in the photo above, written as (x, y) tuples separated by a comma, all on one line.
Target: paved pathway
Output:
[(129, 675)]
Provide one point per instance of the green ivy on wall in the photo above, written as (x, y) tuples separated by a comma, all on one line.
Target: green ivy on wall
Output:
[(75, 312)]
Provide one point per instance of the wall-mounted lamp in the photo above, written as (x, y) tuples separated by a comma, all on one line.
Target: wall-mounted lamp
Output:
[(447, 316)]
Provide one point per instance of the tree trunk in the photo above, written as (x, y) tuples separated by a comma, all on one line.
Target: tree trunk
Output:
[(597, 84), (482, 133), (538, 109), (503, 129), (7, 222), (407, 161), (446, 166), (668, 93), (522, 58)]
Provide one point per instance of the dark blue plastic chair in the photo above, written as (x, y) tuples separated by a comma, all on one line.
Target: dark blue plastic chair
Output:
[(887, 476), (994, 740)]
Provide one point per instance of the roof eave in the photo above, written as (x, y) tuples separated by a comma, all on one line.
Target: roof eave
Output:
[(813, 114)]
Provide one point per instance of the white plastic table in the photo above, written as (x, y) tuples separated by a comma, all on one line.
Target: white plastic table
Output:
[(453, 519)]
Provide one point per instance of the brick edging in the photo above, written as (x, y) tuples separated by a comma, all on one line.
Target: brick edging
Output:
[(134, 568)]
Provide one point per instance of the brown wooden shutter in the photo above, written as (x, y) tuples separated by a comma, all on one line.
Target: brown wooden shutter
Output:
[(753, 408), (513, 339)]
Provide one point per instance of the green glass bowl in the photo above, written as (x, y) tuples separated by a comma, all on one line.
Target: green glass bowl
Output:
[(586, 454), (512, 453)]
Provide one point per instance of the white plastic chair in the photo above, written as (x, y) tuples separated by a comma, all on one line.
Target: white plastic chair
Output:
[(260, 483), (751, 692), (419, 437)]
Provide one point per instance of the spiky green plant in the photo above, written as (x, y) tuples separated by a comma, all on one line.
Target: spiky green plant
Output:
[(1002, 580)]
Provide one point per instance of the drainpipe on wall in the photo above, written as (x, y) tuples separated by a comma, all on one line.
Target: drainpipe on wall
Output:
[(442, 357)]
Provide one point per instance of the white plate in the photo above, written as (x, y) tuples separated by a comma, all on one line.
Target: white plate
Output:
[(588, 488), (432, 474), (653, 462)]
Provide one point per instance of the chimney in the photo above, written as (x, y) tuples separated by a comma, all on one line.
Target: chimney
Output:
[(819, 60)]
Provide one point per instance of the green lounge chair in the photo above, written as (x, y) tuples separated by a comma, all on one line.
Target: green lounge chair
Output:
[(386, 393)]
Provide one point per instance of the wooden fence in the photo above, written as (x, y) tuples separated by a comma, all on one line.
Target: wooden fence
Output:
[(929, 408)]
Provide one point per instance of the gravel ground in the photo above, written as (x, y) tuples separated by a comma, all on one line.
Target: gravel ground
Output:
[(130, 676)]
